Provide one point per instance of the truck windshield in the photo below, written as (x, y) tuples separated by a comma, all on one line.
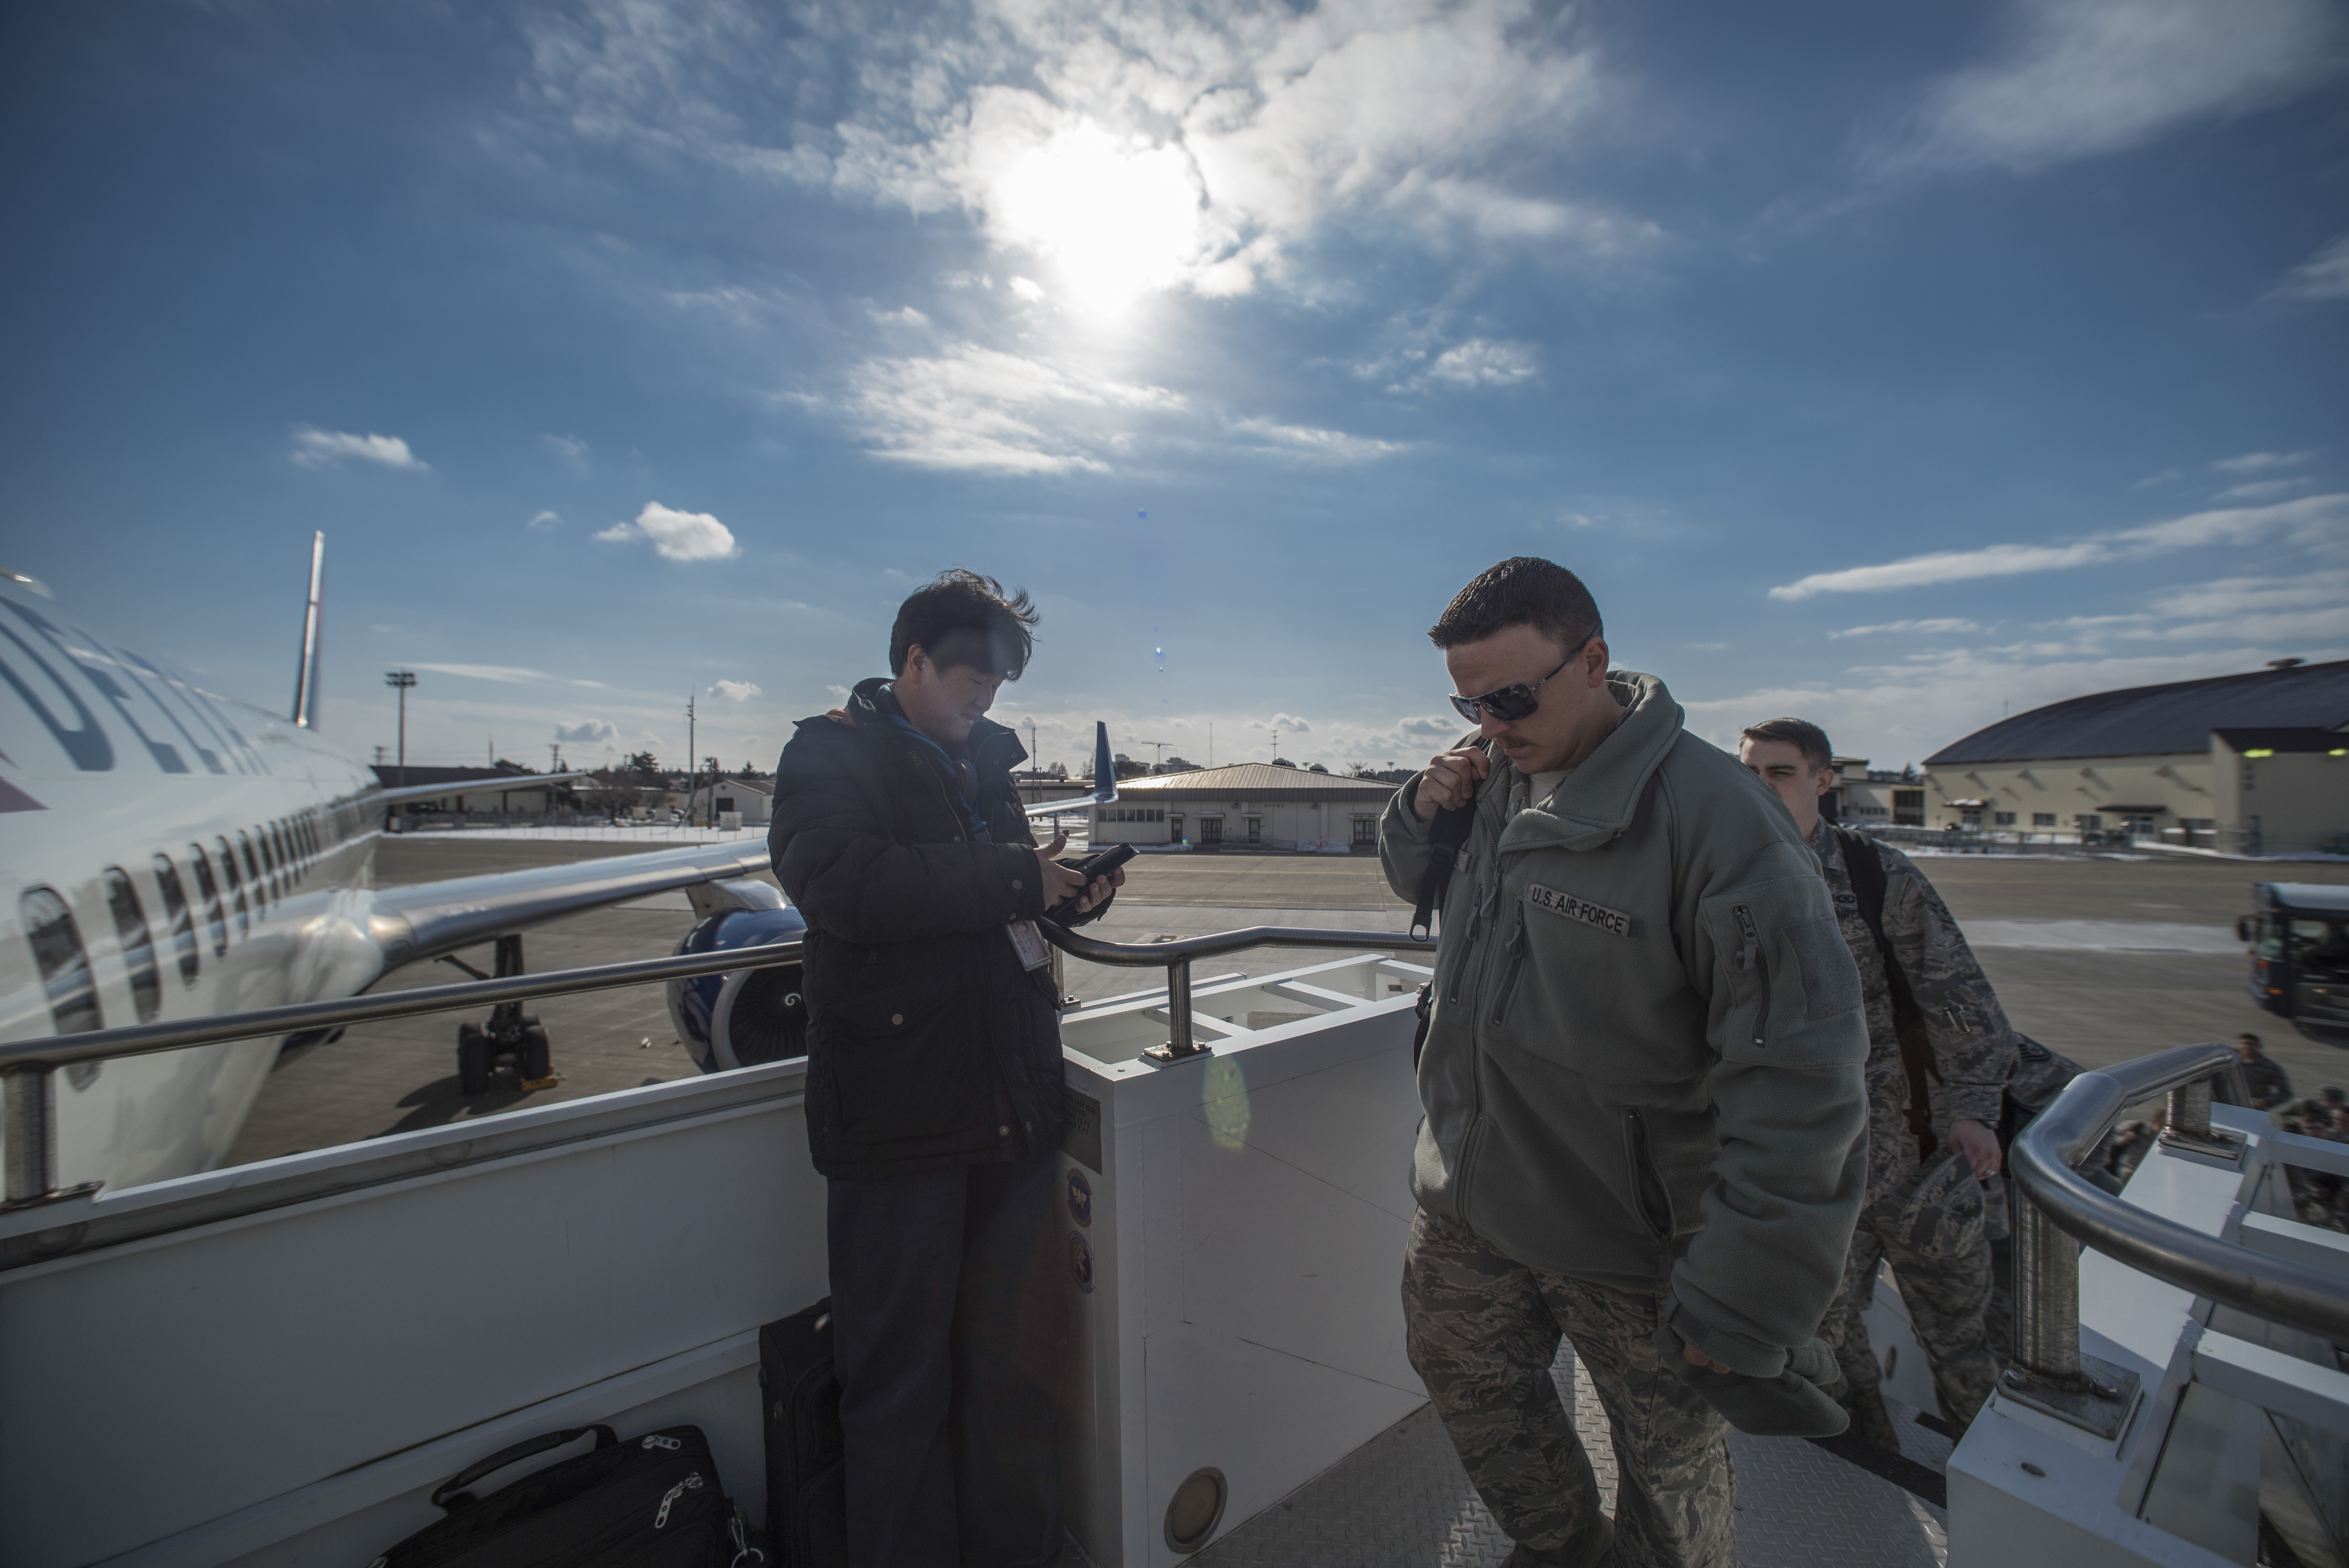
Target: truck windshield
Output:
[(2320, 948)]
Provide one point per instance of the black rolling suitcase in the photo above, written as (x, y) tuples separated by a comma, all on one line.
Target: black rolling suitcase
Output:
[(807, 1506), (653, 1502)]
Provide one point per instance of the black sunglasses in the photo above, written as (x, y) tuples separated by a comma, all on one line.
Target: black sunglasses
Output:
[(1513, 702)]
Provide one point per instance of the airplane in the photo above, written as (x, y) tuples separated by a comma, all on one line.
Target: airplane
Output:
[(180, 854)]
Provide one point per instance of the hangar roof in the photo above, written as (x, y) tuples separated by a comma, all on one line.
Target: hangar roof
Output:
[(1255, 782), (2157, 720)]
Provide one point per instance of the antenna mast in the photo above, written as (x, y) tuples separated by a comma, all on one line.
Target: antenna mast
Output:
[(305, 676)]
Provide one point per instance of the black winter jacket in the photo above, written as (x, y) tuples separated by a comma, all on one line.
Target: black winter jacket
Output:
[(929, 1044)]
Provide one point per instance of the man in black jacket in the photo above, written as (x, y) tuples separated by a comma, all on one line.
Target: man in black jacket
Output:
[(934, 1096)]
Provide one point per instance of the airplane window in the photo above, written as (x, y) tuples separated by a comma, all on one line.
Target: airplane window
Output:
[(65, 967), (236, 882), (255, 877), (214, 921), (183, 925), (138, 944), (281, 833), (270, 859), (309, 830)]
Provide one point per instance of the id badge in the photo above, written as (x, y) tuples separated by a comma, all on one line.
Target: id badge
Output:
[(1027, 941)]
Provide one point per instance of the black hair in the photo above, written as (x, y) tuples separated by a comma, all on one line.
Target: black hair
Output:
[(1799, 733), (963, 621), (1523, 591)]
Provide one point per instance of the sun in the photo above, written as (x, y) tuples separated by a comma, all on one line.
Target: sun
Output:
[(1117, 216)]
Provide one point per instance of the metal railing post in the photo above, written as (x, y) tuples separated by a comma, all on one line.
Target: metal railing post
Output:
[(29, 1103), (2189, 1110), (1178, 1008), (2046, 1297)]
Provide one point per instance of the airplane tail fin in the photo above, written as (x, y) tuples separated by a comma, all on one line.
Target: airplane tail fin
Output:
[(305, 677), (1104, 768)]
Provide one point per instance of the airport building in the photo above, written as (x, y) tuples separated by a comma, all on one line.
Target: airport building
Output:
[(1866, 797), (1249, 805), (751, 802), (2251, 764), (508, 786)]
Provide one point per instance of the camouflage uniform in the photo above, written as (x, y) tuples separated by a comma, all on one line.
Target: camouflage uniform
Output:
[(1926, 1219), (1482, 1330)]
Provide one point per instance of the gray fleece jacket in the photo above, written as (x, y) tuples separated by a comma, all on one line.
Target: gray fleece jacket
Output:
[(1643, 1064)]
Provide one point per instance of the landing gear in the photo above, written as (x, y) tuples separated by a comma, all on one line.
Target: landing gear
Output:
[(511, 1037)]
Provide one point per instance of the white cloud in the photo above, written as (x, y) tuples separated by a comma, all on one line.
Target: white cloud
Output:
[(735, 691), (2260, 489), (545, 520), (2259, 462), (1937, 626), (678, 535), (570, 446), (1127, 145), (1027, 289), (2085, 77), (2311, 521), (1308, 444), (1287, 724), (315, 448), (505, 675), (2324, 275), (1481, 363), (589, 732), (974, 407)]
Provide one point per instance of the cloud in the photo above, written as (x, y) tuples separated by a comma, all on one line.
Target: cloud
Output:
[(2081, 79), (2259, 462), (678, 535), (2324, 275), (315, 448), (2312, 604), (588, 732), (545, 520), (1287, 724), (570, 446), (1311, 445), (735, 691), (1481, 363), (1942, 624), (1126, 146), (505, 675), (974, 407), (2310, 521), (2261, 489)]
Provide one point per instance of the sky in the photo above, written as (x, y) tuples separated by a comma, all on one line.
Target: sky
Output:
[(1892, 366)]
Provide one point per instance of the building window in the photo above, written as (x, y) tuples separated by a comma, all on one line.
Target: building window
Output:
[(1908, 808), (65, 967), (1255, 830), (1366, 829), (1970, 816), (2088, 822), (2002, 818), (2042, 818), (1211, 830)]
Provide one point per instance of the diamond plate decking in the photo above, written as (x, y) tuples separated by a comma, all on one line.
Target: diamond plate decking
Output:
[(1402, 1500)]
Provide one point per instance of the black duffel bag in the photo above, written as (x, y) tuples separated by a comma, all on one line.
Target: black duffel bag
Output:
[(654, 1502)]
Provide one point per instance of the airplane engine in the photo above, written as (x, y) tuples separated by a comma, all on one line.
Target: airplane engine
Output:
[(751, 1015)]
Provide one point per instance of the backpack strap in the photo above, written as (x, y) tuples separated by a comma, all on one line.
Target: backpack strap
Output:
[(1869, 883)]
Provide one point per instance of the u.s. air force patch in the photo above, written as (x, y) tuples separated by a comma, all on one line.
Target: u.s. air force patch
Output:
[(1612, 921)]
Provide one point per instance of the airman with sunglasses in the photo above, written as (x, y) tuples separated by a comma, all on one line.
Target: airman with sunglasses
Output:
[(1645, 1125)]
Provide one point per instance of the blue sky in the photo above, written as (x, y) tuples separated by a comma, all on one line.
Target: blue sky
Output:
[(1888, 365)]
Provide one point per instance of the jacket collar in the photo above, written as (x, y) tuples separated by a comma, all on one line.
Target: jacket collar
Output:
[(1598, 799), (871, 704)]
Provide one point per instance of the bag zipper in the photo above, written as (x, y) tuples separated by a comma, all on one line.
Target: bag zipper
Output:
[(1749, 961), (690, 1483)]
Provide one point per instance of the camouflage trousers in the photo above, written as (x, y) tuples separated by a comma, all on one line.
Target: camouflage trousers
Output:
[(1482, 1330), (1930, 1228)]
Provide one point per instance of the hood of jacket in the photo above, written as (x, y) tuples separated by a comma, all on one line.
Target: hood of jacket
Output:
[(988, 743), (1598, 798)]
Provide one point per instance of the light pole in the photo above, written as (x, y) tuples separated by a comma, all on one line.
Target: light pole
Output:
[(692, 767), (402, 680)]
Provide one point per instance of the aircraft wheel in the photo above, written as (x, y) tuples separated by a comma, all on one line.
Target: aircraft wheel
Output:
[(472, 1061), (536, 1057)]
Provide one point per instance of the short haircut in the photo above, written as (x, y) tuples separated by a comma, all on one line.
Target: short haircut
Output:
[(965, 620), (2246, 1035), (1523, 591), (1799, 733)]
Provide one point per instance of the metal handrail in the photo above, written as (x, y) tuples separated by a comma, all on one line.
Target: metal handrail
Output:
[(28, 1068), (2058, 1198), (1177, 955)]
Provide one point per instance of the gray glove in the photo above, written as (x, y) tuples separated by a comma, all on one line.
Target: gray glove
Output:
[(1793, 1404)]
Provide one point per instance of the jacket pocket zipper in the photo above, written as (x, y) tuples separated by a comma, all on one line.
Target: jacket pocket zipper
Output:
[(1468, 951), (1516, 949), (1642, 1170), (1749, 961)]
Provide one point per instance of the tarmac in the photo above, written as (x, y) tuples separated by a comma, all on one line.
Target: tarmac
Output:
[(2102, 959)]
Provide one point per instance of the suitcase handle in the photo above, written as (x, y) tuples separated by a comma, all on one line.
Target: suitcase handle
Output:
[(445, 1496)]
